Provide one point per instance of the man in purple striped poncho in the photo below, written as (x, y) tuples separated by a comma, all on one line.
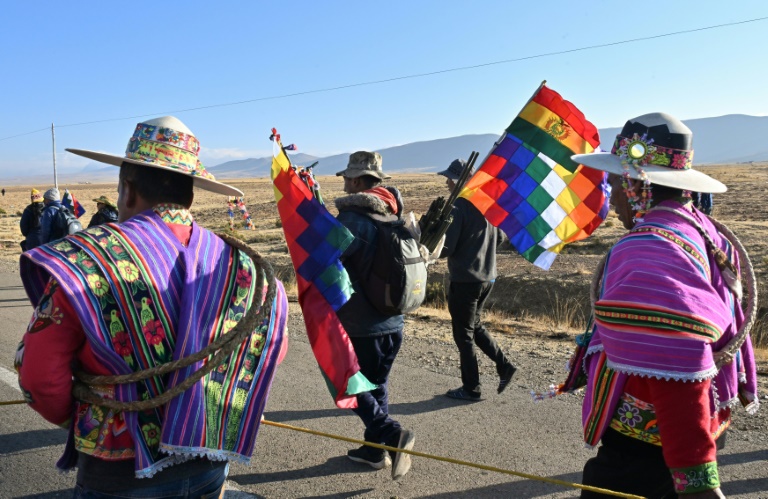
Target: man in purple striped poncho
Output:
[(669, 302), (131, 296)]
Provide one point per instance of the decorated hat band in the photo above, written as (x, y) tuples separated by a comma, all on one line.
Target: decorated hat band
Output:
[(640, 151), (165, 135), (167, 155)]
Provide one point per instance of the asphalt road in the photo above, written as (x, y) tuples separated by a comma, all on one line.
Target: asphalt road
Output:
[(507, 431)]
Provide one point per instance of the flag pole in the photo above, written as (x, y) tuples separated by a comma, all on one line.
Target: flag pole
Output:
[(53, 141), (544, 82)]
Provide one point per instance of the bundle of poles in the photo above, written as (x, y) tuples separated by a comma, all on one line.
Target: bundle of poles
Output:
[(434, 224), (308, 178)]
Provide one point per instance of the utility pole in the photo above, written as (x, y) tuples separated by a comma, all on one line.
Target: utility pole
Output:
[(53, 140)]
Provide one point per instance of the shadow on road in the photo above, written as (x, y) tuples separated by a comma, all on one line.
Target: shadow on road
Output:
[(742, 457), (236, 494), (337, 465), (436, 403), (48, 495), (518, 488), (746, 486), (344, 495), (34, 439), (15, 302)]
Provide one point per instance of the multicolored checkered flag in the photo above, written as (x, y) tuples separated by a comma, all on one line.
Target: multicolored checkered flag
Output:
[(529, 187)]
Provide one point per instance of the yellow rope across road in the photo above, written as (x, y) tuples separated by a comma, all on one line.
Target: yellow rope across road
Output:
[(456, 461), (432, 456)]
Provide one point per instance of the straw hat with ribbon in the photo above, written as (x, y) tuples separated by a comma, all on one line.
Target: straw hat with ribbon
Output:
[(105, 201), (165, 143)]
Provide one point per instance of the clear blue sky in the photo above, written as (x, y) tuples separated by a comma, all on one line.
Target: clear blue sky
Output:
[(74, 61)]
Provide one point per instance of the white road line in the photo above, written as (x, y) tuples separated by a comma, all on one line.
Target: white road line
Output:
[(10, 378)]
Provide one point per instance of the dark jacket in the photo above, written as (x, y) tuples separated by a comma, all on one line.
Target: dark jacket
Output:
[(470, 245), (358, 316), (103, 216), (48, 221), (30, 225)]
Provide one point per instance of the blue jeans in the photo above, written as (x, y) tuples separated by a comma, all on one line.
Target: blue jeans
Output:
[(208, 485), (376, 356)]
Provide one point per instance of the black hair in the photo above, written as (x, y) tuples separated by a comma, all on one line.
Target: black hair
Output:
[(661, 193), (369, 181), (157, 185)]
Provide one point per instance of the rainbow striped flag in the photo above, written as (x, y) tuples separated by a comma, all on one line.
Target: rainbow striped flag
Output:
[(529, 187), (315, 241)]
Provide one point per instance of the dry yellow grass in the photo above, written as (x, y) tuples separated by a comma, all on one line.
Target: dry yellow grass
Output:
[(525, 297)]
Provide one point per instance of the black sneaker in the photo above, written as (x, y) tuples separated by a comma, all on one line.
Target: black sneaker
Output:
[(462, 394), (373, 457), (401, 462), (505, 377)]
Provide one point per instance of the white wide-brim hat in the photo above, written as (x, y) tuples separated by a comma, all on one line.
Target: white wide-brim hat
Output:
[(165, 143), (659, 145)]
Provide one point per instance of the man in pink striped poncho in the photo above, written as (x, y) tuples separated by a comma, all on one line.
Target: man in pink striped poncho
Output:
[(668, 302), (125, 297)]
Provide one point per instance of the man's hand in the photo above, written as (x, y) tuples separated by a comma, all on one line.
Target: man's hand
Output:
[(430, 258)]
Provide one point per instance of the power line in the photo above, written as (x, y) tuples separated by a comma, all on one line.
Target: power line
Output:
[(25, 133), (406, 77)]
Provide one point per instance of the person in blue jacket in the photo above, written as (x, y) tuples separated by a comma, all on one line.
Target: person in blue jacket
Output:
[(49, 222), (375, 337)]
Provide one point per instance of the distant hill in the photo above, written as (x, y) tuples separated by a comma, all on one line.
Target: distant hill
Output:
[(734, 138), (425, 156), (255, 167), (94, 173)]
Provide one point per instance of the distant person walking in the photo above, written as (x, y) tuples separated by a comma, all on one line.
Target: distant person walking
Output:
[(107, 212), (3, 191), (30, 221), (470, 245)]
